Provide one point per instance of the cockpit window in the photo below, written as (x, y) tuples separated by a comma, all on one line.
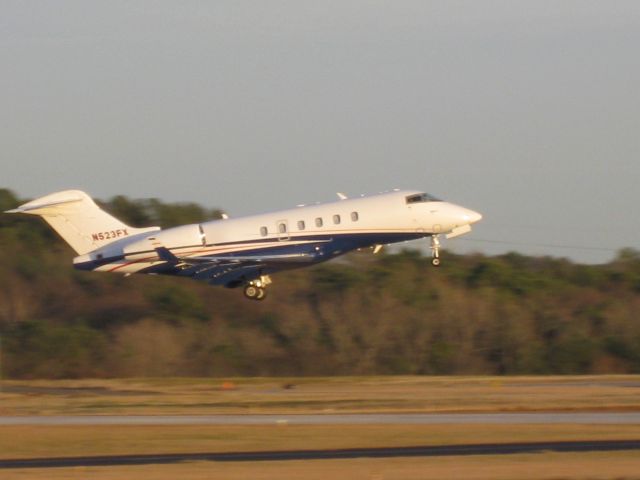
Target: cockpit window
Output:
[(421, 198)]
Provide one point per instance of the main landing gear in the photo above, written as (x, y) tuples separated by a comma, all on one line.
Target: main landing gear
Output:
[(255, 289), (435, 251), (254, 293)]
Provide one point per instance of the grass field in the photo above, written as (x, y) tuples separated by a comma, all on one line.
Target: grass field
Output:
[(59, 441), (380, 394), (320, 395)]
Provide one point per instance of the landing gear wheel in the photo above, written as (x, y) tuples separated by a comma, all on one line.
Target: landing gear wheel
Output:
[(435, 262), (252, 292), (255, 293), (255, 289)]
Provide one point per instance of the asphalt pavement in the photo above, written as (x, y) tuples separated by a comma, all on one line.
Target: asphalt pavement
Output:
[(332, 454), (540, 418)]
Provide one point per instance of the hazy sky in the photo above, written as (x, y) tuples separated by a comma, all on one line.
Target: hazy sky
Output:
[(528, 112)]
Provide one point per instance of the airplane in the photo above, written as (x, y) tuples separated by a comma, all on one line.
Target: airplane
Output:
[(245, 251)]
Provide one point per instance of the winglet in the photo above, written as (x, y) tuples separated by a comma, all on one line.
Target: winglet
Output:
[(165, 254)]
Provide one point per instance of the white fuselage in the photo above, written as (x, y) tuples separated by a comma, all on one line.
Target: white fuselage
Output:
[(319, 232), (245, 251)]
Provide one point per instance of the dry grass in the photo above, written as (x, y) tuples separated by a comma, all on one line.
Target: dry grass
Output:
[(548, 466), (60, 441), (318, 395)]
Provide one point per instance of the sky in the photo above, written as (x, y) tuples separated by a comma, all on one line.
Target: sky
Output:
[(526, 111)]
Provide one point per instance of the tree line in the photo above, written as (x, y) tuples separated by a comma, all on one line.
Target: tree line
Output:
[(361, 314)]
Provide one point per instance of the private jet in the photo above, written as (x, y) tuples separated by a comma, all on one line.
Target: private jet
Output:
[(245, 251)]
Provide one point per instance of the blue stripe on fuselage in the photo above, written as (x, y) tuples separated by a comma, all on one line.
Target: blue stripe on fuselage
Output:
[(319, 247)]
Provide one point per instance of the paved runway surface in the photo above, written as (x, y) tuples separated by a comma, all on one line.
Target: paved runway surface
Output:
[(333, 419), (424, 451)]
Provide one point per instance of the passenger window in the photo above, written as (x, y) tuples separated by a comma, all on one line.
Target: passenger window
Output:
[(336, 219), (301, 225), (318, 222), (354, 216), (263, 231), (282, 228)]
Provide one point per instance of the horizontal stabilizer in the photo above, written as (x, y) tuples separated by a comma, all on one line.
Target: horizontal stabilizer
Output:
[(36, 205)]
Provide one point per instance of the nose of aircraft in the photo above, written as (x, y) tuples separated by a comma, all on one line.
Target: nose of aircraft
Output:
[(471, 217)]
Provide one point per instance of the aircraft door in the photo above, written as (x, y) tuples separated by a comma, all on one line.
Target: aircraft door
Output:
[(282, 227)]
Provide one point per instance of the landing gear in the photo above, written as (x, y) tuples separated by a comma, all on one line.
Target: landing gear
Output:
[(435, 250), (255, 289), (254, 293)]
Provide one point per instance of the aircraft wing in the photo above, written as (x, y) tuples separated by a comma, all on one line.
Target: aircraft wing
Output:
[(222, 270), (166, 255)]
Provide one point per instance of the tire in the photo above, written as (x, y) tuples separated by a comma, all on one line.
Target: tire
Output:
[(251, 292), (435, 262), (262, 293)]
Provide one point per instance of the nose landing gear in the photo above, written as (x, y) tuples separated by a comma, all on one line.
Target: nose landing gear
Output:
[(435, 250)]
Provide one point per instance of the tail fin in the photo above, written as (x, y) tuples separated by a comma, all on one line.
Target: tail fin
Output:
[(78, 220)]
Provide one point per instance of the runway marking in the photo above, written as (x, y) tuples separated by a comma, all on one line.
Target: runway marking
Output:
[(351, 453)]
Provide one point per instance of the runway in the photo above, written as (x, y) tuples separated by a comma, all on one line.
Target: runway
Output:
[(586, 418), (420, 451)]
